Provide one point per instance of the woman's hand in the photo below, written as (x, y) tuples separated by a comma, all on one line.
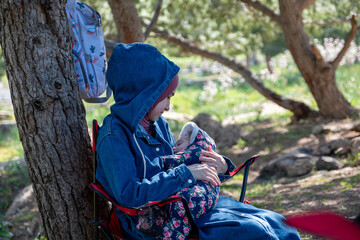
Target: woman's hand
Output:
[(214, 160), (204, 172)]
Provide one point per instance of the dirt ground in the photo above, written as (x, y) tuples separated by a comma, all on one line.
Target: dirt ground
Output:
[(338, 190)]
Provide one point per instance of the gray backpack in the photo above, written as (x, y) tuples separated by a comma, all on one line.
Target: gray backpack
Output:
[(88, 50)]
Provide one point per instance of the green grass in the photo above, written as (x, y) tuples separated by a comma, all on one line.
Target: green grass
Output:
[(348, 80), (97, 111)]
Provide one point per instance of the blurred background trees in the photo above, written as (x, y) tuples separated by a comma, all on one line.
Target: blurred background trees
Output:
[(229, 31), (302, 55)]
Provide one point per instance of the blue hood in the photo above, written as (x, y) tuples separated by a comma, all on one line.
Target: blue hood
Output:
[(137, 74)]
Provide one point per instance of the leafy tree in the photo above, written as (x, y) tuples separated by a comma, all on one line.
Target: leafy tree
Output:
[(230, 27), (298, 108)]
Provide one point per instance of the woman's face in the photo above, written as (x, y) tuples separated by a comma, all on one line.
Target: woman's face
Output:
[(160, 108)]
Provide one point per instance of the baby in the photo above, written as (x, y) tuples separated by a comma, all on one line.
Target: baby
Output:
[(200, 197)]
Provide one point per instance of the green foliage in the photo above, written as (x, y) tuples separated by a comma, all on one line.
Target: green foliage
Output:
[(10, 145), (14, 177), (224, 26), (349, 183), (2, 69), (349, 82), (234, 101), (242, 98), (273, 46), (4, 230), (97, 111), (331, 11)]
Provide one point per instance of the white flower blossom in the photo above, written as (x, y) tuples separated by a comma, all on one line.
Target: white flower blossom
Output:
[(209, 92)]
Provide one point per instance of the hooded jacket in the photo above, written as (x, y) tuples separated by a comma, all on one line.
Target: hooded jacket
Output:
[(130, 165)]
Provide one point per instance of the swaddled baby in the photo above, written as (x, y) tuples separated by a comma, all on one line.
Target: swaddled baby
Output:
[(201, 196)]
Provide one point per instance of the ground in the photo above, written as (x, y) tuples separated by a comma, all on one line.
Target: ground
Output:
[(337, 190)]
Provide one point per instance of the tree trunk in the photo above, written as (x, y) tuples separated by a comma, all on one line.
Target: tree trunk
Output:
[(127, 21), (268, 64), (318, 74), (50, 116)]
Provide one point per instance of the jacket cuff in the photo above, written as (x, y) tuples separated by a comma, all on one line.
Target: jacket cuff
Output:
[(185, 176), (231, 167)]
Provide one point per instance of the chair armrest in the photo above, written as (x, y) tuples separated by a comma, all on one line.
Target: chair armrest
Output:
[(245, 165), (133, 211)]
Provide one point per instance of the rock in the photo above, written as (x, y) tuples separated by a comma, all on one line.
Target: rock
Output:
[(4, 115), (7, 125), (224, 137), (229, 136), (324, 129), (323, 150), (209, 124), (293, 164), (15, 160), (21, 199), (340, 146), (301, 166), (355, 146), (328, 163), (356, 127)]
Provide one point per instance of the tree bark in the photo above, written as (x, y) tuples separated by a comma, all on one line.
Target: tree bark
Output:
[(318, 74), (36, 43), (127, 21)]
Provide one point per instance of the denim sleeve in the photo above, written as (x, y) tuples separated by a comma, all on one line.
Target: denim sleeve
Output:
[(118, 172), (231, 167)]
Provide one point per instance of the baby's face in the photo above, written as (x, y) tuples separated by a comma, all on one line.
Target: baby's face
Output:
[(182, 143)]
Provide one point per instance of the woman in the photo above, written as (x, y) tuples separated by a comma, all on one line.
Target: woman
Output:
[(134, 136)]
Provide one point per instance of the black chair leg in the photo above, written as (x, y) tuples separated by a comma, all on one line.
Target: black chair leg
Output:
[(243, 188)]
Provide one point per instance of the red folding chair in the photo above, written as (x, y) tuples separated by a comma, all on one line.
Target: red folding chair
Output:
[(111, 227)]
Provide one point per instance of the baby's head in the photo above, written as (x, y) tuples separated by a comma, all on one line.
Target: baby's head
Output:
[(185, 138), (191, 133), (182, 143)]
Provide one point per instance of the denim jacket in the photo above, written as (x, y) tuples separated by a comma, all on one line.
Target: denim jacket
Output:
[(130, 166)]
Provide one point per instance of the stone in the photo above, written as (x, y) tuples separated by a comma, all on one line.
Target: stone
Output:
[(355, 146), (356, 127), (4, 115), (229, 136), (340, 146), (328, 163), (292, 164), (209, 124), (300, 166), (6, 126), (21, 199)]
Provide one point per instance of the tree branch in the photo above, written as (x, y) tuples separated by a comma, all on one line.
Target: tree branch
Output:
[(352, 33), (306, 3), (264, 9), (299, 109), (154, 19), (339, 21)]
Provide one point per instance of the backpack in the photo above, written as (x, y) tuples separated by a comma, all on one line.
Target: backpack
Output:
[(88, 48)]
